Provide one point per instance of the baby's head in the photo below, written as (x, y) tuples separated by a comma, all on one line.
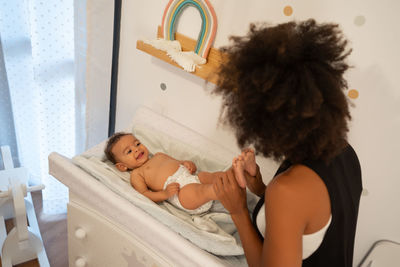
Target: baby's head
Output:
[(125, 151)]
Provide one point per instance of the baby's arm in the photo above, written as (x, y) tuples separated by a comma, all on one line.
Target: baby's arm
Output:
[(187, 163), (138, 182)]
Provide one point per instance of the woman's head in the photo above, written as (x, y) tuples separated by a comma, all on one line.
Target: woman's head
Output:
[(283, 90)]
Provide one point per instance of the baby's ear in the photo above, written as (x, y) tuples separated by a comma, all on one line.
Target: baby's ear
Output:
[(122, 167)]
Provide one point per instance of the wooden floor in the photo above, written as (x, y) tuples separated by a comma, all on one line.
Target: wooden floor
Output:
[(54, 234)]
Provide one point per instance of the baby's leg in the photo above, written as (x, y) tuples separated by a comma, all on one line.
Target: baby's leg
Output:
[(238, 166), (244, 162), (208, 177), (192, 196)]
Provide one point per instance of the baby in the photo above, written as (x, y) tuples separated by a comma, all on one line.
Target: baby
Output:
[(162, 177)]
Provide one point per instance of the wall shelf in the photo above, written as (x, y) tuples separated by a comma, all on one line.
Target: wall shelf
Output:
[(206, 71)]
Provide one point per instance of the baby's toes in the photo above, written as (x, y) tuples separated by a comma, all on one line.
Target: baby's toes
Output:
[(238, 168), (246, 150), (234, 160)]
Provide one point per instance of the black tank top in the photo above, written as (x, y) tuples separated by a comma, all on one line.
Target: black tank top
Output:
[(342, 177)]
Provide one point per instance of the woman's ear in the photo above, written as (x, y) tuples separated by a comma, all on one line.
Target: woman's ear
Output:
[(122, 167)]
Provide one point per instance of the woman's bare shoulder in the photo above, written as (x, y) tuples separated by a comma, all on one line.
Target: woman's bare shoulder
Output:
[(298, 178), (303, 191)]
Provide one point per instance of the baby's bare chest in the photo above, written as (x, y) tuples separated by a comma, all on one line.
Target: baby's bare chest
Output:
[(158, 169)]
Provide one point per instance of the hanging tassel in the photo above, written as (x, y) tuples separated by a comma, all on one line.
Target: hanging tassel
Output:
[(188, 60)]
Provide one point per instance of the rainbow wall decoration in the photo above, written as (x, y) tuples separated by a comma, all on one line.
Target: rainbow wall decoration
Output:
[(206, 37)]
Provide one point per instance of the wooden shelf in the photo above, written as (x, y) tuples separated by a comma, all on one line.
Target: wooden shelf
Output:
[(206, 71)]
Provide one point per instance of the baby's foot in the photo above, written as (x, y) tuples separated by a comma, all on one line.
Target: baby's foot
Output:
[(249, 159), (238, 168)]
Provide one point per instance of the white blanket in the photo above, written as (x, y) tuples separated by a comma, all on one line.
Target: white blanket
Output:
[(213, 231)]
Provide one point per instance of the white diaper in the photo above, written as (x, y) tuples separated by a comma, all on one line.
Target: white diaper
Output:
[(183, 177)]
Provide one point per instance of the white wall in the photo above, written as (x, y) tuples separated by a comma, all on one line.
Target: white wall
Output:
[(99, 27), (375, 129)]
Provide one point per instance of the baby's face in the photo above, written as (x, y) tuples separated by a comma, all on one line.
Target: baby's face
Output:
[(129, 151)]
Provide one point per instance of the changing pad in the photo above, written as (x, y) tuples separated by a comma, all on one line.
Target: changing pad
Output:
[(213, 231)]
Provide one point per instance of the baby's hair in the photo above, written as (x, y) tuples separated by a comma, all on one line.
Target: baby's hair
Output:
[(283, 90), (110, 144)]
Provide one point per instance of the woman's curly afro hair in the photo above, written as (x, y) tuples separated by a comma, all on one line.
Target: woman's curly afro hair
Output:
[(283, 90)]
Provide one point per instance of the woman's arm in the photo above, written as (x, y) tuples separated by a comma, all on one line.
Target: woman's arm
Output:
[(296, 202), (252, 244), (233, 197), (285, 221)]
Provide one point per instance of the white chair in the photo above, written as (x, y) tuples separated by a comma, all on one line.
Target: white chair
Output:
[(384, 253), (23, 242)]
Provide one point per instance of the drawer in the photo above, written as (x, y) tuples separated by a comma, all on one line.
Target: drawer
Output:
[(93, 240)]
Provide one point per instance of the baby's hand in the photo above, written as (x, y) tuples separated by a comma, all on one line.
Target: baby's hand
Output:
[(171, 189), (190, 166)]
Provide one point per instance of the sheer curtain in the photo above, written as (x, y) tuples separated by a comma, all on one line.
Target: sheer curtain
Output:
[(46, 102)]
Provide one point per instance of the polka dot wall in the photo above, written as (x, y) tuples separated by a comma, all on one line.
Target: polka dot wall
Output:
[(288, 10), (359, 20)]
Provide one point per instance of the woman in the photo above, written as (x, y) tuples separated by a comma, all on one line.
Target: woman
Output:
[(283, 92)]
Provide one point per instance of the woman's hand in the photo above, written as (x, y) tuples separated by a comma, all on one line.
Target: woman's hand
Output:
[(255, 183), (231, 195), (190, 166)]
